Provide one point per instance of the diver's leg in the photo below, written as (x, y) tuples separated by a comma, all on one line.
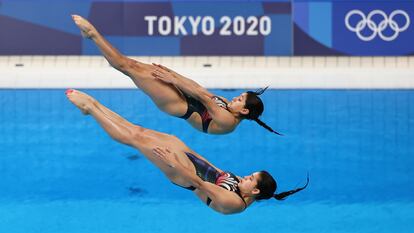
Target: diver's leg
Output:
[(145, 140), (166, 96)]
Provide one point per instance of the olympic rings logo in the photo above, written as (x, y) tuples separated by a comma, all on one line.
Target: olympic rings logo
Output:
[(377, 29)]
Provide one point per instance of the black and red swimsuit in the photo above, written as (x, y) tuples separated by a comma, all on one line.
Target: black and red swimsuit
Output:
[(206, 172), (196, 106)]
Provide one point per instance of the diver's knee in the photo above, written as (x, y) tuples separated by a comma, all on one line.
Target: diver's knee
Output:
[(126, 65), (139, 134)]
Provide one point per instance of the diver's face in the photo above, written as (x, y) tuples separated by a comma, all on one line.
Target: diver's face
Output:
[(248, 184), (238, 103)]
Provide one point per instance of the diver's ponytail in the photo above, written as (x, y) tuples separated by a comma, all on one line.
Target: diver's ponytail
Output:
[(261, 123), (261, 90), (255, 106), (283, 195)]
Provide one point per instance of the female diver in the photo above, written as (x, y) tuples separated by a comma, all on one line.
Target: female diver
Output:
[(220, 190), (177, 95)]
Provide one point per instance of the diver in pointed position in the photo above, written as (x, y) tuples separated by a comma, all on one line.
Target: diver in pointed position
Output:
[(177, 95)]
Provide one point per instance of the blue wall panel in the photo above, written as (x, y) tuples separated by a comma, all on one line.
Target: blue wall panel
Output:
[(276, 27)]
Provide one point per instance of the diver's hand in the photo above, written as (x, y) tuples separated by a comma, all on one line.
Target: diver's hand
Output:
[(168, 157), (165, 69), (164, 75)]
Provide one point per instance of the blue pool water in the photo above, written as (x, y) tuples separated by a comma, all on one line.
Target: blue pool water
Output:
[(59, 172)]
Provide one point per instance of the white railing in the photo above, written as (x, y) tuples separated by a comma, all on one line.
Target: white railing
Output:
[(215, 72)]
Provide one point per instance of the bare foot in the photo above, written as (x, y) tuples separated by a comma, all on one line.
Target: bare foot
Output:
[(87, 29), (81, 100)]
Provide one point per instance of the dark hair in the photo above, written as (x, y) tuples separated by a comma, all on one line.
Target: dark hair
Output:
[(256, 107), (267, 186)]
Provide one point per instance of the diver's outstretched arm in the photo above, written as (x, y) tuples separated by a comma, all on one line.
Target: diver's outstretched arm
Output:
[(221, 117), (183, 83)]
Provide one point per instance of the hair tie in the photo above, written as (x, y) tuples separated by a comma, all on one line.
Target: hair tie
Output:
[(261, 90)]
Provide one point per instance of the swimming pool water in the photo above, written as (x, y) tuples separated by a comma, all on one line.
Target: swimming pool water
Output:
[(61, 173)]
